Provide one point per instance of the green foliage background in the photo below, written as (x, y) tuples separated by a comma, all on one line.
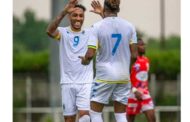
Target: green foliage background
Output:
[(29, 33), (30, 44), (165, 62)]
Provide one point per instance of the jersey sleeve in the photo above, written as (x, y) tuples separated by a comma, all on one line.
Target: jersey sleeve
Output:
[(92, 42), (94, 29), (133, 36), (58, 35)]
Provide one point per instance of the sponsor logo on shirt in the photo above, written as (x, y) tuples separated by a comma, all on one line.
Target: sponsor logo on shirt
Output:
[(142, 76)]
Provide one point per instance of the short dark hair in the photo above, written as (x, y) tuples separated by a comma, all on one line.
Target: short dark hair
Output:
[(112, 5), (80, 6), (139, 39)]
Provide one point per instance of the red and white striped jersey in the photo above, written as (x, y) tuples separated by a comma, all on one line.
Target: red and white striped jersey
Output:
[(139, 76)]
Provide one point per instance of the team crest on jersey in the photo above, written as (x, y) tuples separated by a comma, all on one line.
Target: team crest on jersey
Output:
[(137, 67)]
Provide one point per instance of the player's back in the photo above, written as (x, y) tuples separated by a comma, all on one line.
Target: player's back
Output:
[(113, 58)]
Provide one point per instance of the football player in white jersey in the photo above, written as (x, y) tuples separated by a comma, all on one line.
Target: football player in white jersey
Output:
[(116, 47), (76, 79)]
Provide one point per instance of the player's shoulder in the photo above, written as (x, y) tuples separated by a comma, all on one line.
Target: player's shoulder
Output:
[(145, 58), (62, 29), (97, 24), (126, 22), (136, 66), (86, 31)]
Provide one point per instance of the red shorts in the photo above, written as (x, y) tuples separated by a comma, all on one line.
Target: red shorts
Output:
[(135, 107)]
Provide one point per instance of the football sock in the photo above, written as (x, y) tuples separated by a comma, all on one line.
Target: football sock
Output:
[(120, 117), (84, 118), (96, 116)]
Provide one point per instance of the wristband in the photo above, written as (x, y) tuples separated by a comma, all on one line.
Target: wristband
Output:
[(57, 37)]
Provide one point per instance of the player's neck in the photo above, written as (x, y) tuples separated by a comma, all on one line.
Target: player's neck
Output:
[(75, 30), (141, 55), (109, 14)]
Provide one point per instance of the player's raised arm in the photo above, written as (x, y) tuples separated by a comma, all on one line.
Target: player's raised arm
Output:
[(97, 8), (52, 27)]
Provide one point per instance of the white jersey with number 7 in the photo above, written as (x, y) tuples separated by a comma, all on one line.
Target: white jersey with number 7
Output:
[(114, 36)]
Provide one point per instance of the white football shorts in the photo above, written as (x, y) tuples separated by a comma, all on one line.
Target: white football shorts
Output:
[(101, 92), (75, 97)]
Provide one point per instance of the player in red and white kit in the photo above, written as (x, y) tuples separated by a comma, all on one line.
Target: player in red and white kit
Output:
[(140, 99)]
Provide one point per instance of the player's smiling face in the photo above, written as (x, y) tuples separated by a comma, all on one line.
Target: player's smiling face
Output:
[(76, 19)]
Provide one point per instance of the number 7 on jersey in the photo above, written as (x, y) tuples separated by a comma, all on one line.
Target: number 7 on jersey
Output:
[(118, 37)]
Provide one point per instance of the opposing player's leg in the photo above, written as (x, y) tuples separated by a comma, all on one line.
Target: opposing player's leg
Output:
[(133, 108), (131, 118), (150, 115), (148, 110)]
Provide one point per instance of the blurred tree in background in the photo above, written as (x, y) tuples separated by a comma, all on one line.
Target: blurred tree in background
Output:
[(165, 63), (30, 44), (29, 34)]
